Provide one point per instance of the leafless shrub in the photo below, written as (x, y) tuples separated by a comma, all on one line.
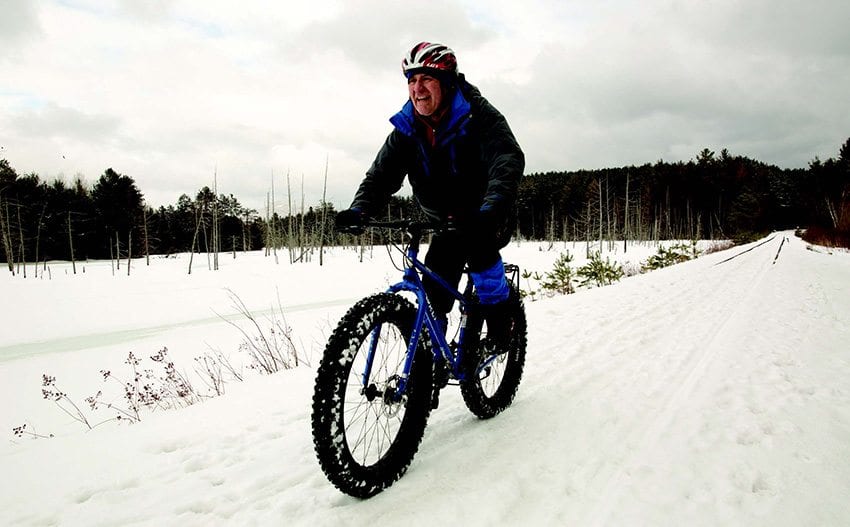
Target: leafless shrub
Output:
[(163, 386), (212, 367), (269, 346), (175, 390), (23, 431), (718, 245), (146, 388), (52, 393)]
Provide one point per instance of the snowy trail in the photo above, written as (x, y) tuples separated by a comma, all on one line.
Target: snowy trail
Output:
[(719, 326), (706, 393)]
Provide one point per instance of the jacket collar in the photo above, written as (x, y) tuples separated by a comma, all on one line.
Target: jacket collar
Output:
[(459, 109)]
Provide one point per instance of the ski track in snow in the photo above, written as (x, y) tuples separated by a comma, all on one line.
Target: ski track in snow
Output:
[(700, 394), (112, 338)]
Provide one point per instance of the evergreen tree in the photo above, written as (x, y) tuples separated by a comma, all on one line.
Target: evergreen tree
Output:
[(118, 209)]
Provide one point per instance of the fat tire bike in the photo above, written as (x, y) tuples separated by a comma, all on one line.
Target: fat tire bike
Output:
[(387, 360)]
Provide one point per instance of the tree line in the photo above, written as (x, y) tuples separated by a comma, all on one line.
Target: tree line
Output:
[(711, 196)]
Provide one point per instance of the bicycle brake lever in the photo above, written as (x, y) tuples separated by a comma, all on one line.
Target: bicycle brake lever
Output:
[(352, 229)]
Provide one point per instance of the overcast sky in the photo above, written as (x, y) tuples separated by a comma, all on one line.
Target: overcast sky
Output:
[(170, 92)]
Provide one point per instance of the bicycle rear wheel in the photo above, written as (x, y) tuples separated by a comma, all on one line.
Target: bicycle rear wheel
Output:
[(491, 380), (365, 436)]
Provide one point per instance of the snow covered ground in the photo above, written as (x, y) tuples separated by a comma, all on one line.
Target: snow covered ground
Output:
[(713, 392)]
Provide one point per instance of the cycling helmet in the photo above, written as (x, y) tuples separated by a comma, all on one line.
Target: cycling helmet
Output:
[(437, 58)]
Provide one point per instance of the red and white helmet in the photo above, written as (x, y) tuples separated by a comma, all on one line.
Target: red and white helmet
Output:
[(429, 55)]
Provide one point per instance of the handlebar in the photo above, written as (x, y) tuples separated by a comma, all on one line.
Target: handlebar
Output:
[(405, 224), (413, 227), (416, 228)]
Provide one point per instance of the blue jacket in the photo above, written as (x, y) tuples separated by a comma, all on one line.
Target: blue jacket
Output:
[(476, 163)]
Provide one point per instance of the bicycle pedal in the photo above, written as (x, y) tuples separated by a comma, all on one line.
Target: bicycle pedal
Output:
[(441, 375), (492, 347)]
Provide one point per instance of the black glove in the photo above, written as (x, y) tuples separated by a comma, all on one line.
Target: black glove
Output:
[(491, 225), (350, 221), (487, 223)]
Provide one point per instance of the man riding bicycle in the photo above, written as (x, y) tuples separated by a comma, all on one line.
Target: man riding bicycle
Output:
[(464, 166)]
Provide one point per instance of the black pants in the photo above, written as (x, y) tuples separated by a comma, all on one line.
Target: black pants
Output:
[(447, 255)]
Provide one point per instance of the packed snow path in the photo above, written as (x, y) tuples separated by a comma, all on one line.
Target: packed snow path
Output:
[(706, 393)]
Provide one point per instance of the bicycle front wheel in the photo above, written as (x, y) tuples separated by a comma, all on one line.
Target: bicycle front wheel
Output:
[(365, 432)]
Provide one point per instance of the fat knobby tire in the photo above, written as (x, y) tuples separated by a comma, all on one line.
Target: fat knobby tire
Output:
[(339, 399), (482, 397)]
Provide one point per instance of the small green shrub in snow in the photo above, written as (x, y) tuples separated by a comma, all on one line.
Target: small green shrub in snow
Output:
[(598, 272), (666, 256), (560, 278), (531, 291)]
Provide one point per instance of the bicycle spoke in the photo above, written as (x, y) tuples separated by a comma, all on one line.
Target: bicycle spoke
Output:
[(373, 425)]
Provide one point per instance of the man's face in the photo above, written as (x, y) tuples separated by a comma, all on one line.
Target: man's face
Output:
[(425, 93)]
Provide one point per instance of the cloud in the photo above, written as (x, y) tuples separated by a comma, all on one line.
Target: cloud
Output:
[(374, 34), (171, 91), (55, 121), (769, 27), (149, 10), (19, 21), (659, 82)]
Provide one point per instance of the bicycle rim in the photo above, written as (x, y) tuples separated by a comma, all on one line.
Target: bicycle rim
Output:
[(372, 413), (491, 373)]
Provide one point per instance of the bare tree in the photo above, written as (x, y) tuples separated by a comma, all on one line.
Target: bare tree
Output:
[(198, 219), (215, 234), (71, 244), (145, 224), (324, 212), (599, 186), (275, 234), (129, 249), (38, 235), (301, 241), (626, 217), (266, 250), (23, 260), (111, 255), (290, 242), (6, 232)]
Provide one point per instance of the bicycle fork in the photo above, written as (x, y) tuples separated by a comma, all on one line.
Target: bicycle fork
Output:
[(396, 389)]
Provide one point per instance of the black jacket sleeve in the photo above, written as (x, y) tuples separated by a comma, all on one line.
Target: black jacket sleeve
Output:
[(386, 175), (500, 153)]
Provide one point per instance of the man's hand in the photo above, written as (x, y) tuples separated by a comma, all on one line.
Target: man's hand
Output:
[(487, 223), (350, 221), (492, 225)]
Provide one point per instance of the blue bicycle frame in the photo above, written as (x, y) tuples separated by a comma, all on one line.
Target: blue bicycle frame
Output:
[(412, 282)]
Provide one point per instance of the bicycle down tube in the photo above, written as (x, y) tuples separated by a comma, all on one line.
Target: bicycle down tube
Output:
[(412, 282)]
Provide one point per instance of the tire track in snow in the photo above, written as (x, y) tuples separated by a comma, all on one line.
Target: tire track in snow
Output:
[(654, 314), (610, 485)]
